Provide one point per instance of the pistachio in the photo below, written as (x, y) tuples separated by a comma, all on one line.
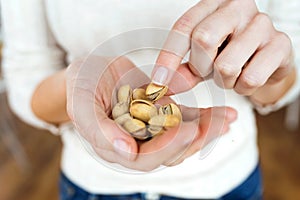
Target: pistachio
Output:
[(164, 121), (123, 118), (155, 92), (139, 93), (170, 109), (136, 128), (155, 130), (137, 114), (142, 109), (120, 109), (124, 94)]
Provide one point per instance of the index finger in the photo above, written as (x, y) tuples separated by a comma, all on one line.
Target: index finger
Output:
[(179, 39)]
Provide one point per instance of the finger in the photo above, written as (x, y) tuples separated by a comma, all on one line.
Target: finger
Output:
[(168, 146), (211, 127), (210, 34), (178, 41), (102, 132), (174, 142), (162, 147), (89, 110), (228, 65), (185, 77), (120, 71), (213, 123), (190, 113), (269, 62), (286, 66), (116, 139)]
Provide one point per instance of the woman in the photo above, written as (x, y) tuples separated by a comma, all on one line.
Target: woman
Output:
[(231, 42)]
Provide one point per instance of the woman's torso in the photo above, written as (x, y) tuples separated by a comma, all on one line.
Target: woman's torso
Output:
[(79, 26)]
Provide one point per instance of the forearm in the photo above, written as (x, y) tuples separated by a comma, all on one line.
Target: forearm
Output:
[(49, 99), (271, 93)]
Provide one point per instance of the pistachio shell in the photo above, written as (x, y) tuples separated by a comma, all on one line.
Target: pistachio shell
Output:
[(124, 94), (170, 109), (164, 121), (142, 109), (123, 118), (155, 92), (136, 112), (136, 128), (155, 130), (139, 93), (120, 109)]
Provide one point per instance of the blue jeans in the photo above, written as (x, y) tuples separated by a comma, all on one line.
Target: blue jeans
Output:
[(250, 189)]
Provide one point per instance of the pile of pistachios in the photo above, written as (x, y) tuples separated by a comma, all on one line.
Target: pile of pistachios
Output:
[(137, 113)]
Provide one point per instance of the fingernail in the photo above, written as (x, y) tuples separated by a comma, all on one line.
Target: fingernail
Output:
[(160, 76), (122, 148)]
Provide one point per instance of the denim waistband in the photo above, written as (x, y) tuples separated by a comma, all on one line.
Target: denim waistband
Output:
[(250, 189)]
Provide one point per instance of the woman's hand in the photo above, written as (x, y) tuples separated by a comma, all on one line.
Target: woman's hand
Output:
[(90, 88), (232, 42)]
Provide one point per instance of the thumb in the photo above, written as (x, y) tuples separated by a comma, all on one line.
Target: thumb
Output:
[(91, 121), (110, 136), (184, 79), (109, 141)]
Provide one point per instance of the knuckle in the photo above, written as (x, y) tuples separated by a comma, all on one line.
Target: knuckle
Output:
[(247, 5), (243, 91), (263, 20), (235, 5), (184, 24), (226, 70), (284, 40), (243, 11), (203, 38), (251, 82), (283, 44)]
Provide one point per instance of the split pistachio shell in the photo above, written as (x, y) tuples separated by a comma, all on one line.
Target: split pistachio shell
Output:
[(170, 109), (155, 92), (123, 118), (137, 114), (139, 93), (120, 109), (164, 121), (124, 94), (155, 130), (142, 109), (136, 128)]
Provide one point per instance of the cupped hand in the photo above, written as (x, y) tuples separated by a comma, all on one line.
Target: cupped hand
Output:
[(91, 85), (230, 41)]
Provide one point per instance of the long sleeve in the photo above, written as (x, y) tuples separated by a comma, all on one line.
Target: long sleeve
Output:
[(30, 54), (286, 18)]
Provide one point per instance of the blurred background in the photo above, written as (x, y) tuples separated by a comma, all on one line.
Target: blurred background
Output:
[(30, 158)]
